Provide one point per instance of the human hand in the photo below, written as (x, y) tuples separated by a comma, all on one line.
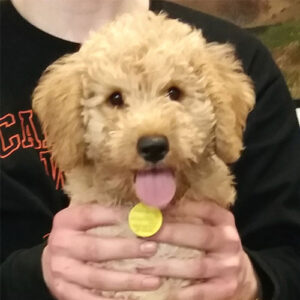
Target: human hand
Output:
[(70, 246), (225, 270)]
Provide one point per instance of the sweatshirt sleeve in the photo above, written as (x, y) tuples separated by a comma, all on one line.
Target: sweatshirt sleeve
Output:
[(267, 210), (26, 217), (21, 276)]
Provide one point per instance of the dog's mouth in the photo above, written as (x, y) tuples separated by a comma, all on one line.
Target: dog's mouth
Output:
[(155, 187)]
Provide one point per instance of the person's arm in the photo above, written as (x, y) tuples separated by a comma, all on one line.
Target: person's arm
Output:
[(267, 211), (25, 219), (21, 275)]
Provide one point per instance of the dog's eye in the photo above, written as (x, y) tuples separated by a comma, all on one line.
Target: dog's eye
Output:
[(116, 99), (174, 93)]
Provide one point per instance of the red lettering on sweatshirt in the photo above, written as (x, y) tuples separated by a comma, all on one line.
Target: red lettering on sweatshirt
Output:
[(11, 143), (20, 131), (30, 137), (51, 169)]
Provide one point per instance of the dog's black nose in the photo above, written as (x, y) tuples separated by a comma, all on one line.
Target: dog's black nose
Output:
[(153, 148)]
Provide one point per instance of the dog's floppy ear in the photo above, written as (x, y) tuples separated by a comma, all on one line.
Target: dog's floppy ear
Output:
[(232, 94), (56, 100)]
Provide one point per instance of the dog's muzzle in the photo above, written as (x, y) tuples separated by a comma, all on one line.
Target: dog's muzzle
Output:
[(153, 148)]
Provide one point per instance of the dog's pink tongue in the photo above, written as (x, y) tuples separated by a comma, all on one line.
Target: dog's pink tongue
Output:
[(155, 187)]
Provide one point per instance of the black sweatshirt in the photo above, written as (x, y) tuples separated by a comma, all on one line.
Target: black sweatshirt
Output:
[(267, 209)]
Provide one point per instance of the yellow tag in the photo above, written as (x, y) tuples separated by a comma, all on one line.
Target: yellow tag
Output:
[(145, 220)]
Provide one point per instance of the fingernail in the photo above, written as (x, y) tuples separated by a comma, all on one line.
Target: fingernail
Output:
[(149, 247), (151, 283)]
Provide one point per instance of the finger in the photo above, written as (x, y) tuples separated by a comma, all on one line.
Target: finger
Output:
[(200, 268), (210, 290), (92, 277), (70, 291), (203, 268), (87, 216), (202, 237), (87, 247), (206, 210)]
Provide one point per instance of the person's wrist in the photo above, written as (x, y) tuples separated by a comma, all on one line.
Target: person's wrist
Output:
[(259, 289), (45, 269), (251, 282)]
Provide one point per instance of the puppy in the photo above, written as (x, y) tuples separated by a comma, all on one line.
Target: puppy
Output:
[(147, 110)]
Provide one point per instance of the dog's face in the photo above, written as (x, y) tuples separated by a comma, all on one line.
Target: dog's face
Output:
[(145, 94)]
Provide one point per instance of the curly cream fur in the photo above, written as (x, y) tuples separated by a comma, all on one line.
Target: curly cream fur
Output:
[(142, 55)]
